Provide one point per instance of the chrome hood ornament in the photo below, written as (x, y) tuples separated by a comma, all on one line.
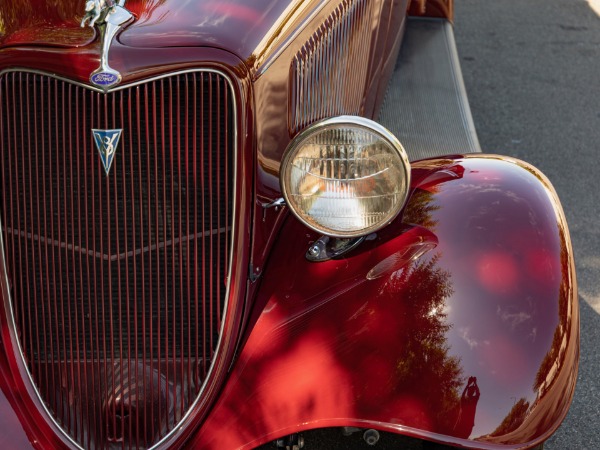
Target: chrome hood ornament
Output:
[(109, 16)]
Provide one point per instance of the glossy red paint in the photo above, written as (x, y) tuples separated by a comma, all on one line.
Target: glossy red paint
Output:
[(36, 22), (171, 23), (380, 339), (160, 24), (432, 8), (376, 339)]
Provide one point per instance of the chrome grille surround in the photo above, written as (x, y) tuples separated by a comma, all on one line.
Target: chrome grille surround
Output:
[(77, 432)]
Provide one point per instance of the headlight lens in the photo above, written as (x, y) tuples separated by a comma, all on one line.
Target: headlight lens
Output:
[(345, 177)]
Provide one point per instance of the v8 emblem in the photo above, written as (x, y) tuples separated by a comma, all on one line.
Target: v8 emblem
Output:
[(106, 143)]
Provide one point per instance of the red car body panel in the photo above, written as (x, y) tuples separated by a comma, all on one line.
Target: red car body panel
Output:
[(475, 278), (158, 23), (432, 8), (379, 339)]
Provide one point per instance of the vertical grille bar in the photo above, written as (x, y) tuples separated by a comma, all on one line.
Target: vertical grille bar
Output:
[(203, 266), (118, 281), (188, 208), (210, 201), (160, 150)]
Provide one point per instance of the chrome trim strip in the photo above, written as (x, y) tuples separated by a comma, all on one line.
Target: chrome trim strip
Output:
[(234, 238), (282, 46), (123, 86)]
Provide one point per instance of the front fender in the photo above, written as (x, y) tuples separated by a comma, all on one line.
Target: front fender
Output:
[(457, 323)]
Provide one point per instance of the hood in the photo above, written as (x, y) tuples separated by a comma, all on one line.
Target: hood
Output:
[(238, 26), (42, 22)]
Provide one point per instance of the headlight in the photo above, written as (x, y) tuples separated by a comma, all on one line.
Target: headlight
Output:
[(345, 177)]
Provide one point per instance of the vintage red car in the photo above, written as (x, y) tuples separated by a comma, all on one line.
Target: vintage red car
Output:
[(225, 223)]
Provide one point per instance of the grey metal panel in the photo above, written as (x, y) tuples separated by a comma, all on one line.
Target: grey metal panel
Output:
[(426, 105)]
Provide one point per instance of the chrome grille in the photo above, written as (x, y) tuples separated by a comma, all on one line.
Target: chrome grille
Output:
[(118, 282)]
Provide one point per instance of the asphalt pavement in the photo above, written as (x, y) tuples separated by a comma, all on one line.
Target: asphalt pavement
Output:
[(532, 73)]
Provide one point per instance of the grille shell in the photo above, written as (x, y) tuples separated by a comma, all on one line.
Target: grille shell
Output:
[(106, 289)]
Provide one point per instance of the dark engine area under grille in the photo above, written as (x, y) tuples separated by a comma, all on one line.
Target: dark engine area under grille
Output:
[(118, 278)]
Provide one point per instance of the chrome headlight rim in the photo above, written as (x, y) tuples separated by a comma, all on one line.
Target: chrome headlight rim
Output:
[(356, 122)]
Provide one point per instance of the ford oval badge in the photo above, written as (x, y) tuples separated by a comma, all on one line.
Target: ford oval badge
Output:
[(105, 79)]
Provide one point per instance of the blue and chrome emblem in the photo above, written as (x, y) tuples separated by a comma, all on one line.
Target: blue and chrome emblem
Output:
[(109, 16), (104, 78), (106, 143)]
